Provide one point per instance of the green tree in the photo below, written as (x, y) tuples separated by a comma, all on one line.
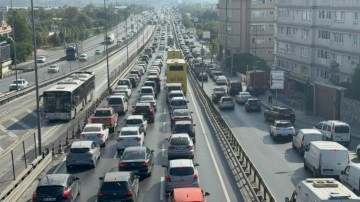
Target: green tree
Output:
[(55, 40), (334, 71), (213, 48)]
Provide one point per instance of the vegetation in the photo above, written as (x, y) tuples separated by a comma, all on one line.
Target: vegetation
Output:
[(352, 89), (334, 71)]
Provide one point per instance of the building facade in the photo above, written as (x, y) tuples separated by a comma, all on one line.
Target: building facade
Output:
[(247, 26), (311, 34)]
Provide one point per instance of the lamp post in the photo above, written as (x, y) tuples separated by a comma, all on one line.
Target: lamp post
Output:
[(107, 52), (127, 41), (36, 78), (14, 42)]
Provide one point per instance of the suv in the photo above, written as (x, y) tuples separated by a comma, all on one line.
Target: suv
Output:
[(253, 104), (83, 153), (336, 131), (119, 103), (118, 186), (57, 187), (180, 146), (279, 113), (145, 109), (18, 84), (234, 87), (184, 127)]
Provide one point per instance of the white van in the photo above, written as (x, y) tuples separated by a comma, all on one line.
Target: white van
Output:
[(119, 103), (322, 190), (303, 137), (336, 131), (351, 177), (325, 158)]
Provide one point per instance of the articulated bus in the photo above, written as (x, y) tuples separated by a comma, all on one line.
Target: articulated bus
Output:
[(173, 53), (64, 100), (176, 72)]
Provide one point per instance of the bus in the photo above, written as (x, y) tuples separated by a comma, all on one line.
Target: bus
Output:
[(70, 95), (176, 72), (173, 53)]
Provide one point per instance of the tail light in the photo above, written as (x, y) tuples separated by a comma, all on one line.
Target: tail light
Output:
[(280, 114), (151, 110), (119, 139), (189, 147), (66, 193), (101, 194), (138, 139), (196, 176), (193, 130), (167, 178), (82, 136), (101, 135), (129, 192), (190, 118), (173, 118), (68, 155), (302, 142), (133, 111), (122, 164), (90, 154), (34, 196), (144, 164)]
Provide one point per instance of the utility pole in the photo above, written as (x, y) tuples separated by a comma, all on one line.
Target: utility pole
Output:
[(127, 43), (107, 52), (226, 30), (14, 42)]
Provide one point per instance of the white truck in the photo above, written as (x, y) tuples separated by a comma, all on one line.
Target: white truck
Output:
[(18, 84), (282, 129), (110, 38), (322, 190)]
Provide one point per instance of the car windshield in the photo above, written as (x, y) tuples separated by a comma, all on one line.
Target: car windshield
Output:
[(115, 101), (92, 129), (178, 103), (128, 132), (283, 125), (146, 90), (179, 141), (18, 81), (181, 171), (114, 186), (227, 99), (79, 150), (134, 121), (182, 127), (133, 155), (142, 108)]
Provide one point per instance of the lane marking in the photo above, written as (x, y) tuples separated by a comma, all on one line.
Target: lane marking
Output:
[(22, 124), (59, 166), (163, 149), (162, 188), (210, 150), (8, 133), (115, 155), (164, 125)]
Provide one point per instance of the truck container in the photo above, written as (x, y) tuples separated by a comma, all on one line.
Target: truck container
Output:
[(258, 80), (173, 53)]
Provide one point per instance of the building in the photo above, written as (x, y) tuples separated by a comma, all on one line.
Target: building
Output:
[(310, 34), (247, 26), (5, 58)]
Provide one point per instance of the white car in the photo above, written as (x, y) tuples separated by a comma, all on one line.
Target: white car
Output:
[(18, 84), (242, 97), (221, 80), (83, 57), (137, 121), (53, 69), (41, 59), (96, 132), (129, 136), (123, 88), (282, 129), (97, 52)]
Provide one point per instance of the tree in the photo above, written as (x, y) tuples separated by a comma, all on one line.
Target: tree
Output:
[(55, 40), (334, 73), (212, 47)]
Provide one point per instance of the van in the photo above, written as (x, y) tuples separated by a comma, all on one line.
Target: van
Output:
[(336, 131), (351, 177), (322, 190), (325, 158), (119, 103), (303, 137), (234, 87)]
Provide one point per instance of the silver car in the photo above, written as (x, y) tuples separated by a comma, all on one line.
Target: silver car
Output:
[(226, 102), (180, 146), (83, 153), (178, 103), (129, 136), (137, 121), (148, 99), (181, 173)]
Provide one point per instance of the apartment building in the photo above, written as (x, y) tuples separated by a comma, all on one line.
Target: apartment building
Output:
[(247, 26), (310, 34)]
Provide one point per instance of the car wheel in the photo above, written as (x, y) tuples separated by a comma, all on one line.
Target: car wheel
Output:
[(293, 145), (305, 166), (316, 172), (79, 190)]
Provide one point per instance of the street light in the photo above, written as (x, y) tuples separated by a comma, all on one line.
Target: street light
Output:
[(107, 52), (36, 78)]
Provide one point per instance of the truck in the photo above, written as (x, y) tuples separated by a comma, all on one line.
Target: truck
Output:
[(257, 80), (71, 52), (173, 53), (322, 190), (106, 116), (109, 39), (282, 129)]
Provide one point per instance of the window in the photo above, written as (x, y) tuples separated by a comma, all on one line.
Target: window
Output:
[(271, 12), (229, 14), (258, 1), (306, 15), (322, 14), (281, 29), (255, 28), (322, 34), (271, 26), (305, 33), (304, 52), (258, 14), (283, 13), (339, 37), (322, 54), (288, 31), (356, 16), (304, 70), (290, 48), (328, 14), (339, 16), (355, 39)]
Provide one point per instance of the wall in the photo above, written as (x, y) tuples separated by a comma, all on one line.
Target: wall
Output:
[(350, 111)]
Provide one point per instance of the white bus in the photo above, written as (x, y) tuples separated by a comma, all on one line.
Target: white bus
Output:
[(64, 100)]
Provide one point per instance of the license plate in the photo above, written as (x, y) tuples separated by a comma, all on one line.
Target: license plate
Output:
[(49, 199), (180, 148), (286, 115), (91, 138)]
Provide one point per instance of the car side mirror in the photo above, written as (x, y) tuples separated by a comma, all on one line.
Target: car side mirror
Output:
[(164, 166), (101, 178), (196, 164), (77, 178), (207, 194), (287, 199), (152, 151)]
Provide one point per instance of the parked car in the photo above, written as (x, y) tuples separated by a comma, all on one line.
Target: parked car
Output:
[(129, 136), (180, 145), (83, 153), (53, 69), (139, 160), (57, 187), (96, 132)]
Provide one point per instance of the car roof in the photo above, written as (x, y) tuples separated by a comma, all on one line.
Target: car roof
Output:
[(181, 110), (183, 122), (54, 179), (143, 104), (146, 87), (135, 148), (116, 176), (188, 194), (93, 125), (81, 144), (226, 97), (180, 163), (173, 84), (116, 96), (282, 121), (176, 91), (135, 117), (178, 98), (253, 99), (130, 128), (180, 135)]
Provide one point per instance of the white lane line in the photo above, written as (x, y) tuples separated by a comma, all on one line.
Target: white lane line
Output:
[(164, 127), (22, 124), (115, 155), (211, 152), (164, 110), (59, 166), (9, 133), (163, 149), (162, 188)]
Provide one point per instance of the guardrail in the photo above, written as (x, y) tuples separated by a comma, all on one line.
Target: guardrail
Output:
[(72, 133)]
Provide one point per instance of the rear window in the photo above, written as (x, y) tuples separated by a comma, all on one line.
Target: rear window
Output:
[(146, 90), (170, 88), (227, 99), (142, 108), (176, 95), (179, 141), (115, 101), (79, 150), (123, 83), (128, 132), (92, 129), (182, 171), (235, 85), (178, 103), (133, 121), (131, 155), (50, 189), (114, 186), (102, 113), (253, 102), (287, 111), (183, 127), (149, 84), (342, 129), (181, 113), (283, 125)]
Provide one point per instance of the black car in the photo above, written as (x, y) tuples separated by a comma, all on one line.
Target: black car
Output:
[(184, 127), (157, 81), (234, 87), (139, 160), (180, 114), (133, 81), (118, 186), (253, 104), (202, 76), (145, 109), (57, 187)]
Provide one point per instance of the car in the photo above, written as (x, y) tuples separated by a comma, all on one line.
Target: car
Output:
[(188, 194), (137, 121), (147, 90), (96, 132), (282, 129), (129, 136), (303, 137), (181, 173), (148, 99), (180, 145), (146, 109), (151, 84), (242, 97), (53, 69), (202, 76), (174, 93), (226, 102), (83, 57), (123, 88), (41, 59), (176, 87), (82, 153), (279, 113), (218, 92), (253, 104), (178, 103), (118, 186), (97, 52), (126, 82), (139, 160), (141, 69), (186, 126), (18, 84), (180, 114), (57, 187)]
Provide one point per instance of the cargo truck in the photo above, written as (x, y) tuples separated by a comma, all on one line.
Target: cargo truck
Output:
[(257, 81)]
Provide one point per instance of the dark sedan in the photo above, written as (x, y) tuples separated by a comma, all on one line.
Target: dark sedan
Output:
[(253, 104), (180, 114), (139, 160)]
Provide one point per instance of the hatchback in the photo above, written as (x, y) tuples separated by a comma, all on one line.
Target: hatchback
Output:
[(178, 103), (226, 102), (118, 186), (180, 114), (146, 109), (147, 90), (57, 187), (180, 146), (53, 69), (137, 121), (185, 127), (253, 104), (188, 194), (83, 153), (181, 173), (139, 160), (242, 97), (129, 136)]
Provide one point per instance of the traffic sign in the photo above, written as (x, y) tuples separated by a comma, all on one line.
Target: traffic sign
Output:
[(277, 80)]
